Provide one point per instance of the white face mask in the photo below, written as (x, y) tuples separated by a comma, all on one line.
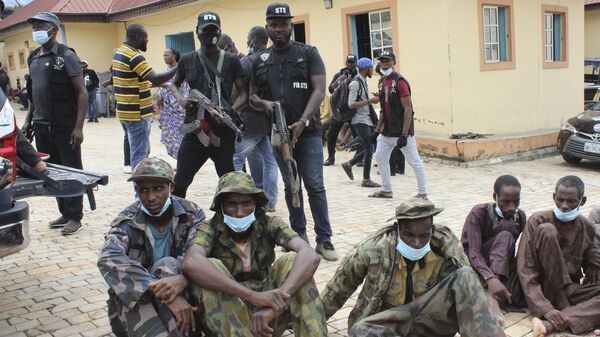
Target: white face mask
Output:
[(499, 211), (566, 216), (386, 72), (41, 37), (239, 225), (410, 252), (161, 212)]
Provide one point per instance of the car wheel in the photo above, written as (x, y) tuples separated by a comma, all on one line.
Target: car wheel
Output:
[(570, 159)]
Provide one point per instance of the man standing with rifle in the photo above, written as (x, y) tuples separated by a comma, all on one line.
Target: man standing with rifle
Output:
[(213, 73), (294, 74)]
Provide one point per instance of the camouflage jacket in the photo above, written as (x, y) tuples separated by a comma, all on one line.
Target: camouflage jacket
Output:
[(126, 255), (267, 232), (374, 262)]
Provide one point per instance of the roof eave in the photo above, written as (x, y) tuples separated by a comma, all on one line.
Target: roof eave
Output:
[(147, 9)]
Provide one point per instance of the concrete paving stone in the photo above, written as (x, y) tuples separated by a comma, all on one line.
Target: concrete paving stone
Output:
[(68, 305), (67, 265), (27, 325), (8, 333), (73, 329)]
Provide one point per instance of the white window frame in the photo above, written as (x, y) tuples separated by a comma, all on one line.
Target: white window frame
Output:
[(380, 30), (488, 41), (549, 36)]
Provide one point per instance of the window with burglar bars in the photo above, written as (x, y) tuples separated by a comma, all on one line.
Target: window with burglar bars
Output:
[(182, 42), (380, 24), (554, 37), (496, 34)]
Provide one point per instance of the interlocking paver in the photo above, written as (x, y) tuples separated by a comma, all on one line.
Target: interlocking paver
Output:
[(53, 287)]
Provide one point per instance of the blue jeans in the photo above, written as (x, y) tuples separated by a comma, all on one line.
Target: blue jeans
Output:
[(138, 134), (309, 158), (364, 132), (261, 161), (92, 104)]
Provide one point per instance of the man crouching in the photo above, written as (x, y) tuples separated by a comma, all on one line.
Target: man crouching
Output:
[(417, 282), (240, 288), (141, 257)]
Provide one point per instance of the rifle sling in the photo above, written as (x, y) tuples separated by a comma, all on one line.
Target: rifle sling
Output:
[(216, 71)]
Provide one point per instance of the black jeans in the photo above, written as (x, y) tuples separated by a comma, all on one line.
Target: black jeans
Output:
[(332, 134), (364, 133), (126, 152), (56, 143), (192, 155)]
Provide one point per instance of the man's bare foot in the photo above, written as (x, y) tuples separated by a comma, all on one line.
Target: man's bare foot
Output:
[(540, 328), (495, 308)]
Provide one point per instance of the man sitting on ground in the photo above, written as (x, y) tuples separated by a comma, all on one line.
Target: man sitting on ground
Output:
[(239, 289), (141, 257), (489, 236), (417, 282), (555, 246)]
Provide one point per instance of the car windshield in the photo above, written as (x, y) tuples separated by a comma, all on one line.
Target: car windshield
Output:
[(595, 107)]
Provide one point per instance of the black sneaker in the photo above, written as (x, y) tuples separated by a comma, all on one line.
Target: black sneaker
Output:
[(330, 161)]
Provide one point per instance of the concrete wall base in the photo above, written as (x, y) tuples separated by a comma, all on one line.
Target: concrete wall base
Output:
[(489, 150)]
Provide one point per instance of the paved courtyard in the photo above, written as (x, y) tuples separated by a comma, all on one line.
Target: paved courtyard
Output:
[(53, 287)]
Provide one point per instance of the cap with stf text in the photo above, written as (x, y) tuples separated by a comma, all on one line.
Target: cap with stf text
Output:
[(278, 10), (208, 19)]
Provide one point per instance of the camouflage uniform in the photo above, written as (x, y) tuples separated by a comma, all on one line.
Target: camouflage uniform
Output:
[(455, 302), (224, 315), (126, 263)]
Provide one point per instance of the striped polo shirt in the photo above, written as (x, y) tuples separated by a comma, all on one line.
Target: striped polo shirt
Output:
[(132, 90)]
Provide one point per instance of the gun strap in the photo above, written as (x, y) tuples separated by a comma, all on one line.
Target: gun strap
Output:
[(216, 71)]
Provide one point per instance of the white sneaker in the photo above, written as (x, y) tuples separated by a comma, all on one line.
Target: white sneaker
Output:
[(127, 169)]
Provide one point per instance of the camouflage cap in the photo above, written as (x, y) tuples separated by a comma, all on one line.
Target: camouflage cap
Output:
[(152, 168), (415, 208), (238, 182)]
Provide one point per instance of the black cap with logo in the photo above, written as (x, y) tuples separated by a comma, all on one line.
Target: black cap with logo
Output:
[(387, 55), (207, 19), (278, 10), (351, 58)]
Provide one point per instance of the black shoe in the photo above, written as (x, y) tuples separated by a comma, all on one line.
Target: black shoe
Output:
[(348, 169), (90, 120), (330, 161), (96, 120)]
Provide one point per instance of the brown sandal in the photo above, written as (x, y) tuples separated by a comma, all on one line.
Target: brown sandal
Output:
[(381, 194)]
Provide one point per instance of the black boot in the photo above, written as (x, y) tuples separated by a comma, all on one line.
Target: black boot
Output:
[(330, 161)]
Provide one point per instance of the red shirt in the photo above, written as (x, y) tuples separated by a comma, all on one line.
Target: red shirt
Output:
[(401, 88)]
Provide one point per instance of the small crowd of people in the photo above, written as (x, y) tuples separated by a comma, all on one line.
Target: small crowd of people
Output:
[(173, 272)]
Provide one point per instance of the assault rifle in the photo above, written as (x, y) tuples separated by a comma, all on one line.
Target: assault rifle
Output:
[(281, 143), (206, 104)]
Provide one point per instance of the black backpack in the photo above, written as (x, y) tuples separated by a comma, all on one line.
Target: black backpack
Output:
[(339, 101)]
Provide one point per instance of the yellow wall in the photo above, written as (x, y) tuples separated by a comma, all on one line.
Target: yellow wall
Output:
[(592, 33), (93, 42), (13, 44), (438, 49), (525, 98)]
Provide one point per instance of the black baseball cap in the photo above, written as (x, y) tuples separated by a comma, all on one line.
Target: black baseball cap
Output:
[(279, 10), (387, 55), (351, 58), (207, 19), (46, 17)]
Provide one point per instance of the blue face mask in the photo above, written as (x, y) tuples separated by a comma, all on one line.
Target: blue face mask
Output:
[(41, 37), (161, 212), (251, 47), (566, 216), (411, 253), (386, 72), (239, 225), (499, 212)]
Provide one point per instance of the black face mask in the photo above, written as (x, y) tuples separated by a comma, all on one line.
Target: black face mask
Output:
[(209, 39)]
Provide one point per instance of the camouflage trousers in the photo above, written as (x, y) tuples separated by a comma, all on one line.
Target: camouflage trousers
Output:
[(224, 315), (151, 318), (456, 304)]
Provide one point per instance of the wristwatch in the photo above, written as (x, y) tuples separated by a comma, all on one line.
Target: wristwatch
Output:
[(305, 121)]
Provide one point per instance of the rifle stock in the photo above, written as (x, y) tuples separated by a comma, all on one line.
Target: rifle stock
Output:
[(284, 146)]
